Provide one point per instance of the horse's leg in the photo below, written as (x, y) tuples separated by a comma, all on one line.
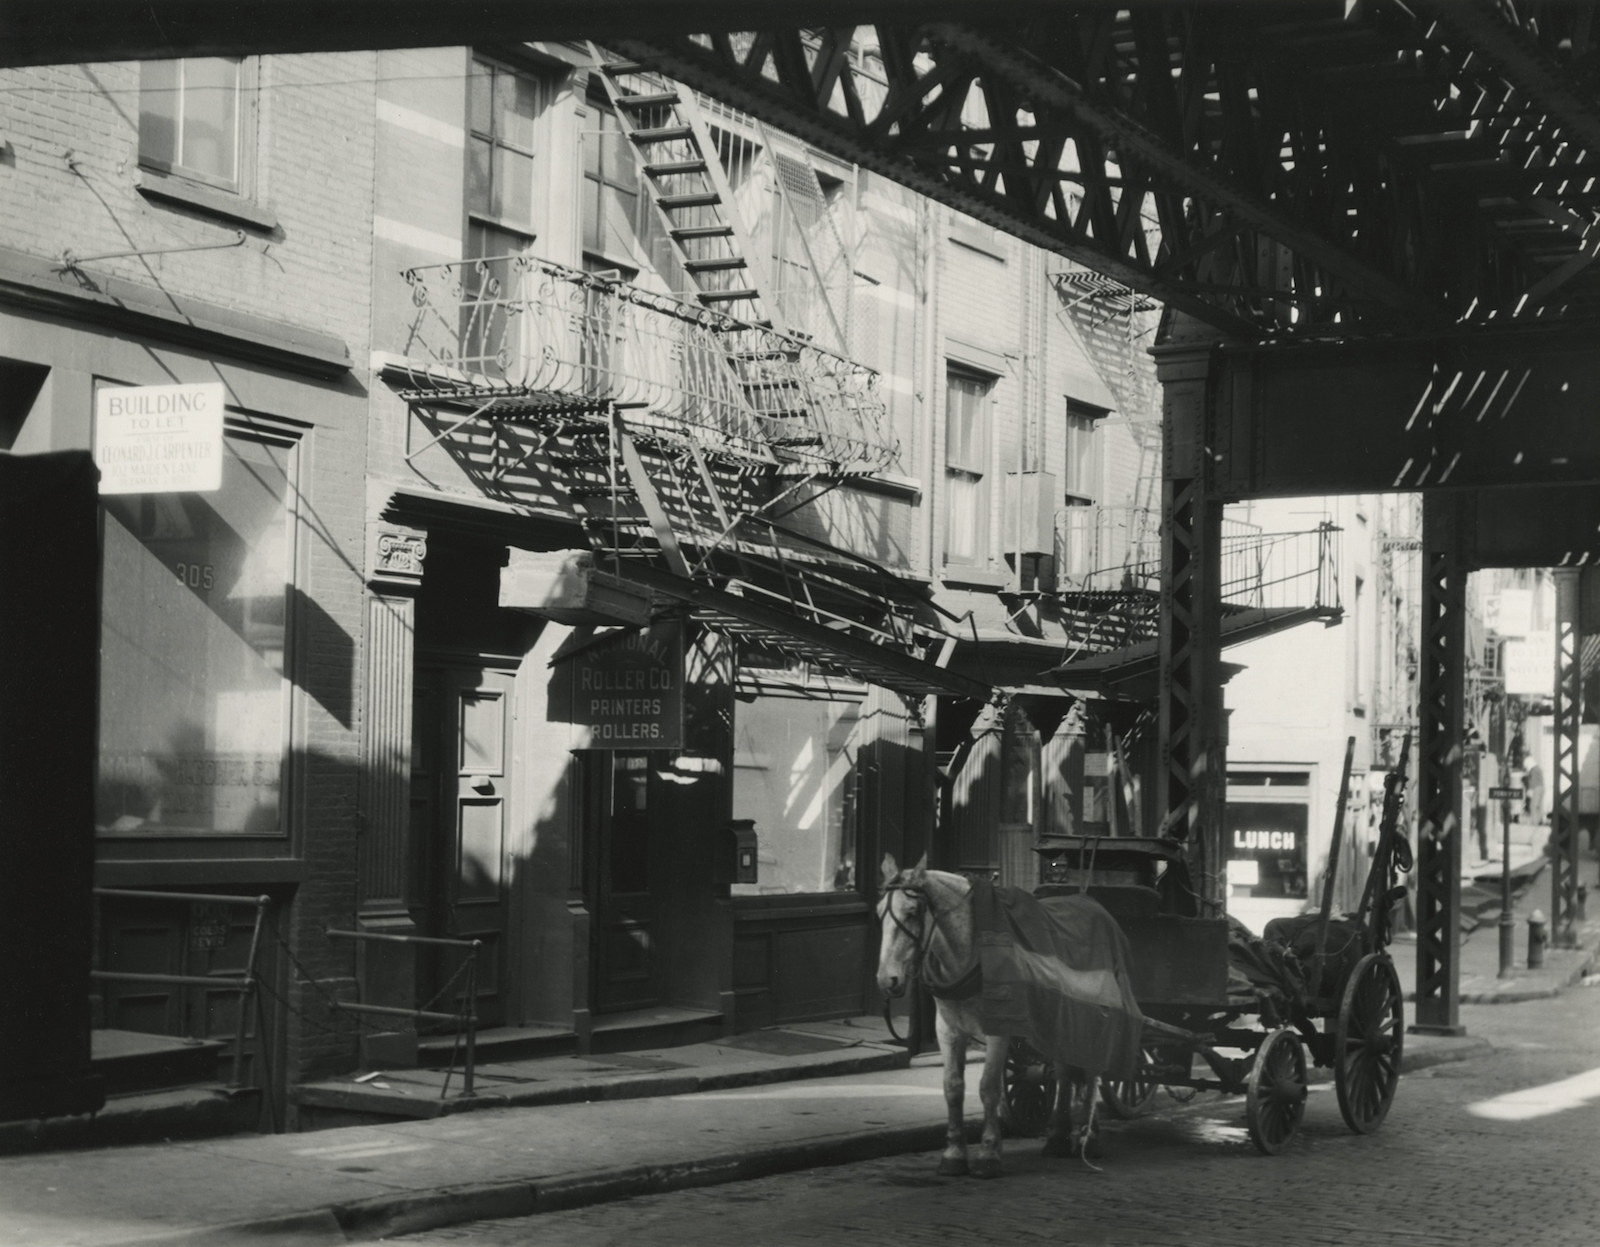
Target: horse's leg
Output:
[(991, 1089), (1058, 1138), (1091, 1131), (953, 1045)]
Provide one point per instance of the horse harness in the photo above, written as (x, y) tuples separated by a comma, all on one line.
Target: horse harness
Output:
[(966, 985)]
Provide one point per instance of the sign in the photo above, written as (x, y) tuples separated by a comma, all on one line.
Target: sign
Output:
[(1531, 666), (1265, 848), (1505, 794), (159, 439), (628, 688), (1509, 612)]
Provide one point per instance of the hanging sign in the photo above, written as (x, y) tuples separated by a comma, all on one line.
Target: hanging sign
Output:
[(1530, 666), (628, 688), (159, 439)]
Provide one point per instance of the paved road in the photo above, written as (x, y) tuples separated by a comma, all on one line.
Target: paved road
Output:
[(1452, 1165)]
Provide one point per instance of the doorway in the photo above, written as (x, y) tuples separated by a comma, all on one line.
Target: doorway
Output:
[(460, 786), (630, 841)]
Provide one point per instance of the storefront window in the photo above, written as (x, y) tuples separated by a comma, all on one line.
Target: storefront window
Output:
[(795, 777), (193, 606)]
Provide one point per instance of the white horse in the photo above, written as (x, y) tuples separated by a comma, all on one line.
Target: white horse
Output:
[(928, 934)]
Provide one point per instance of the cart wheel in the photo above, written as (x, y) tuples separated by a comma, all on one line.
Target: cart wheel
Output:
[(1030, 1089), (1275, 1097), (1128, 1098), (1372, 1027)]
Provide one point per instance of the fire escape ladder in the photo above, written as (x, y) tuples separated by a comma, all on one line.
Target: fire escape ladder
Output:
[(681, 167)]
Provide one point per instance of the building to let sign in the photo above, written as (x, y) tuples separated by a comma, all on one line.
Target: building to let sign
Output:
[(628, 688), (159, 439)]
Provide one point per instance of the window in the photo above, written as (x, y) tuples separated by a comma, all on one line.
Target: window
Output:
[(192, 694), (966, 457), (1083, 452), (610, 194), (795, 777), (197, 120), (502, 116)]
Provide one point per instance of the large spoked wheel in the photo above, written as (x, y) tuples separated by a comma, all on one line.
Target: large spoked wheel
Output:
[(1275, 1097), (1131, 1097), (1030, 1089), (1372, 1028)]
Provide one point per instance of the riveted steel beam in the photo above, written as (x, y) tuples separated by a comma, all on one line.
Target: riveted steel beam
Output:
[(1564, 793), (1440, 722)]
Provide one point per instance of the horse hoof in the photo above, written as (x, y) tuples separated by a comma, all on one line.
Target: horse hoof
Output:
[(983, 1167), (1092, 1149), (1057, 1146), (952, 1167)]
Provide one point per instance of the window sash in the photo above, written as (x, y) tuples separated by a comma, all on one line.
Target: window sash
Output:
[(174, 129), (503, 110)]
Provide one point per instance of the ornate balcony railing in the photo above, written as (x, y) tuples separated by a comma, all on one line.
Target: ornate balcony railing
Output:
[(520, 337)]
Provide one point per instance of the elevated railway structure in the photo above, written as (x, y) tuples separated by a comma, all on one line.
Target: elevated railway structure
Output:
[(1373, 226)]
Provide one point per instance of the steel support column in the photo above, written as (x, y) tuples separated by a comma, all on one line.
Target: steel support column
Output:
[(1441, 680), (1564, 803), (1192, 739)]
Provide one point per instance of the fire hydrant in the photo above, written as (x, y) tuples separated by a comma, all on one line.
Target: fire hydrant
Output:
[(1537, 935)]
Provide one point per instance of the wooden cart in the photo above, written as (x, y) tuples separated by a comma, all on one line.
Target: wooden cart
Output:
[(1339, 1001)]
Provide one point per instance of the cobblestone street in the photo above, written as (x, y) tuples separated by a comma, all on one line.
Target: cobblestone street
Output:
[(1436, 1173)]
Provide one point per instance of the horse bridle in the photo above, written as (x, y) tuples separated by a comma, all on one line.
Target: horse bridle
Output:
[(922, 941)]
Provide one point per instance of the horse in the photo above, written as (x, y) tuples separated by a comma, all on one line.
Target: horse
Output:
[(926, 916)]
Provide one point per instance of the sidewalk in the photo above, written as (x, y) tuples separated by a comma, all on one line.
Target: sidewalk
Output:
[(362, 1183), (1480, 950)]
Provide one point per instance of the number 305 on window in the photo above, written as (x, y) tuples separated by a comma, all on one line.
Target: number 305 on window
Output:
[(196, 575)]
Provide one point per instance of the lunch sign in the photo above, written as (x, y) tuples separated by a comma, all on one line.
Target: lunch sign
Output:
[(628, 688), (159, 439)]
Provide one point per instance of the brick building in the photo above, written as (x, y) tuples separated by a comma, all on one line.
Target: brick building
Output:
[(531, 363)]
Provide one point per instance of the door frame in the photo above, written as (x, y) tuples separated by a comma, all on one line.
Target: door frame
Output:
[(432, 896)]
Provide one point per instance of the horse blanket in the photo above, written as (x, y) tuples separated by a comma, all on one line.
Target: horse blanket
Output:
[(1057, 973)]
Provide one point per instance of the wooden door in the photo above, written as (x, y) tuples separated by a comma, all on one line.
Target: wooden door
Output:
[(629, 956), (461, 793)]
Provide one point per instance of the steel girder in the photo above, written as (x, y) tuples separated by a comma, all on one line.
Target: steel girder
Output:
[(1564, 805), (1193, 768), (1439, 745), (1277, 170)]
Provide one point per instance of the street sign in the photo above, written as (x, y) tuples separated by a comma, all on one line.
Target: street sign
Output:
[(159, 439), (1505, 794)]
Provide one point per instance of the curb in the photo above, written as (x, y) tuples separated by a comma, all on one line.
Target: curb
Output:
[(1514, 995), (1446, 1052), (410, 1213), (386, 1216)]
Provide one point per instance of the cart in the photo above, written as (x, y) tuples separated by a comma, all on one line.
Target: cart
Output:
[(1315, 988)]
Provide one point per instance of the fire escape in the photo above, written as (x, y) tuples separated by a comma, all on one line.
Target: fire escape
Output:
[(1109, 581), (681, 435)]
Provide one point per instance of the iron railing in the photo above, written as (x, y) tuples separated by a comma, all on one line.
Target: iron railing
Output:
[(519, 334), (466, 1019)]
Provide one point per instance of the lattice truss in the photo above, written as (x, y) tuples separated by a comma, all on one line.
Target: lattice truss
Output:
[(1274, 169)]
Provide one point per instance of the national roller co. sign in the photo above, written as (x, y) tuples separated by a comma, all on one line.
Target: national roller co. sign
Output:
[(159, 439), (628, 688)]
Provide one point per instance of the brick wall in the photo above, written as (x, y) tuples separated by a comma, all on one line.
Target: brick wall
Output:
[(69, 180)]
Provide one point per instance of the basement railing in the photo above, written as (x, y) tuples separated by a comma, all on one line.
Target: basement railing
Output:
[(518, 336)]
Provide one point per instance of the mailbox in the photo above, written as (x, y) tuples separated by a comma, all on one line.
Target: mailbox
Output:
[(744, 850)]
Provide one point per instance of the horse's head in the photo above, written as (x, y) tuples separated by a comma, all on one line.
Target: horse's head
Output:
[(901, 912)]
